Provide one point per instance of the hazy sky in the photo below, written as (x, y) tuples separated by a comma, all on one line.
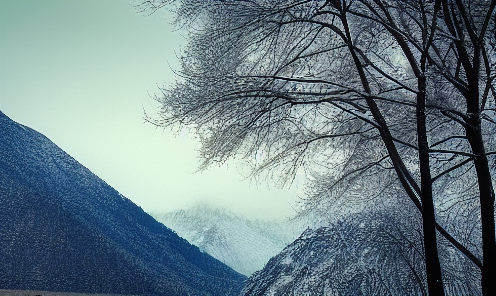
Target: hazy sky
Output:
[(80, 72)]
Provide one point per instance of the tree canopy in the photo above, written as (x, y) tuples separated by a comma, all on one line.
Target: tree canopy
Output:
[(363, 96)]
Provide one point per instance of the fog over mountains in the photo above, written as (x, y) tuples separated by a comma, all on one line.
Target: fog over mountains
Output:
[(64, 229), (244, 244)]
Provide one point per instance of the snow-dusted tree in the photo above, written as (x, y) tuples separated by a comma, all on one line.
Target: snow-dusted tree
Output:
[(359, 94)]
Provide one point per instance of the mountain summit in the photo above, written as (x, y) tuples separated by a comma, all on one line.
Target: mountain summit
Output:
[(64, 229)]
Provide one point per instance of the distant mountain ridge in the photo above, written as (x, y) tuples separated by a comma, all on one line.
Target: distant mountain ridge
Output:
[(241, 243), (64, 229)]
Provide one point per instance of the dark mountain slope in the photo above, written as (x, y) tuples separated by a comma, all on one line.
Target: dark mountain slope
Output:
[(64, 229)]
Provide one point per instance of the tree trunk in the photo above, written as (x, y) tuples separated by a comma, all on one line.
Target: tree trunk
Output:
[(486, 191), (473, 132), (433, 267)]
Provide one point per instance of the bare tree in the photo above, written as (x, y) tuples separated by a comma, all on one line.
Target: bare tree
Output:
[(345, 88)]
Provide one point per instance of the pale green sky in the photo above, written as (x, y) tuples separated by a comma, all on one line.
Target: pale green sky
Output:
[(80, 72)]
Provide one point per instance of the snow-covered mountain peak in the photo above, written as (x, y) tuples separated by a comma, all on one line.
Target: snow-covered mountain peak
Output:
[(243, 244)]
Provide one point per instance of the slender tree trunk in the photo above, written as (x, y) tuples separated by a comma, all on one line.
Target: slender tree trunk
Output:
[(407, 181), (473, 132), (433, 267), (486, 191)]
